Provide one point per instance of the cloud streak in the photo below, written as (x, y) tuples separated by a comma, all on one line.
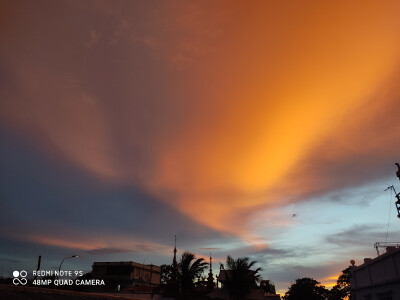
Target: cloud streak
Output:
[(154, 118), (255, 138)]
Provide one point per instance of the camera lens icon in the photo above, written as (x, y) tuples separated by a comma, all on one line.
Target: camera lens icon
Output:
[(21, 274)]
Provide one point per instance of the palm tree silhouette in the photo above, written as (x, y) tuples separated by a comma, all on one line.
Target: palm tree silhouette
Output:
[(189, 269), (238, 277)]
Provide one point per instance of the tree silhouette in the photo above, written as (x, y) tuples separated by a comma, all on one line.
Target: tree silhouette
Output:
[(166, 271), (344, 280), (306, 288), (189, 269), (239, 278), (268, 286), (336, 293), (342, 287)]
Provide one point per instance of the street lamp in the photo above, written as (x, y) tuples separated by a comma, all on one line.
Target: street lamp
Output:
[(59, 269)]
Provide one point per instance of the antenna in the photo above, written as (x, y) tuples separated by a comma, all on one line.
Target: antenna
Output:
[(387, 244), (378, 245), (397, 203)]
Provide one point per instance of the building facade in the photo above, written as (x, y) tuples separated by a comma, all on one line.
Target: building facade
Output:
[(378, 278), (127, 273)]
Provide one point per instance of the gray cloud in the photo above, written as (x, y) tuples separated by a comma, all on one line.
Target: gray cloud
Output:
[(10, 260), (106, 251), (209, 248), (361, 236), (41, 196), (289, 273)]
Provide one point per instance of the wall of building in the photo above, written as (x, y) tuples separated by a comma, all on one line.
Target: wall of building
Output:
[(127, 273), (378, 278)]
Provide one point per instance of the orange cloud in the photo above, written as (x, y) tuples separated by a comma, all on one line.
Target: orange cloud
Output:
[(329, 281), (268, 109), (241, 122)]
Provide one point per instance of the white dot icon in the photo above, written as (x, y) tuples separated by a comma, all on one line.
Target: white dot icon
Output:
[(15, 273)]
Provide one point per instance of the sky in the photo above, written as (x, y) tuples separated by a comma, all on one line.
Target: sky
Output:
[(266, 129)]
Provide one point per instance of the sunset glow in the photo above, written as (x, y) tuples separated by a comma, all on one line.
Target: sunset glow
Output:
[(250, 128)]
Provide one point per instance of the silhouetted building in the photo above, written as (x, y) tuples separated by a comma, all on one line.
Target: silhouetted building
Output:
[(127, 273), (174, 273), (210, 279), (172, 288), (378, 278)]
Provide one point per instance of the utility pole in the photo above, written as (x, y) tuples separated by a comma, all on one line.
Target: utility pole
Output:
[(385, 244), (38, 266), (397, 195)]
